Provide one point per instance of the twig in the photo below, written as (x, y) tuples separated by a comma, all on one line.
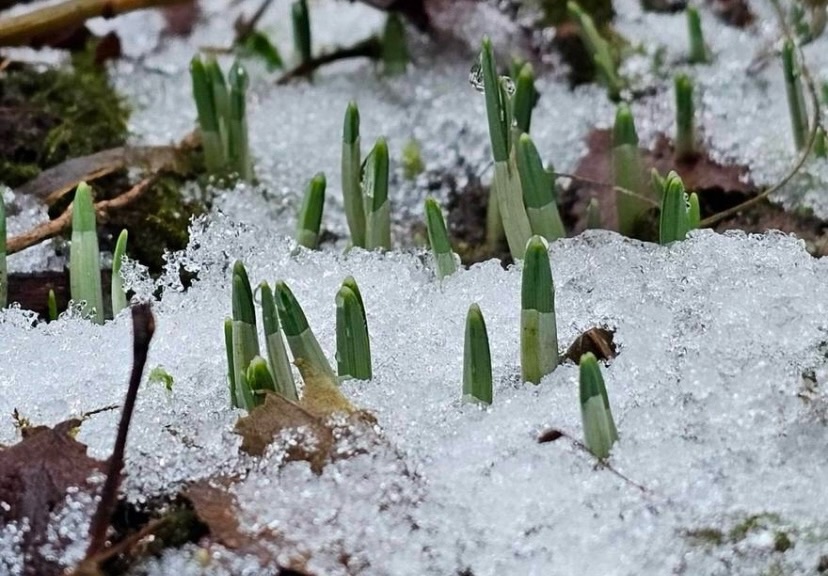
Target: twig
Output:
[(87, 415), (245, 27), (620, 189), (89, 565), (33, 27), (368, 48), (63, 222), (143, 326), (806, 152)]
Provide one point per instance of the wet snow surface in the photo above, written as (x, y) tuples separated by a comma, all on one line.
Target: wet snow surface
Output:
[(718, 389)]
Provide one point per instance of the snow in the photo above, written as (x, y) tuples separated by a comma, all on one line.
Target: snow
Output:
[(716, 335)]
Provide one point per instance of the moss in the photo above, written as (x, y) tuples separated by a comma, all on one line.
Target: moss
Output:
[(706, 536), (55, 114), (752, 522), (781, 541)]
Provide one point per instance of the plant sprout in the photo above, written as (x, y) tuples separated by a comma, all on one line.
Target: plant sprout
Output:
[(300, 18), (698, 49), (243, 339), (395, 56), (84, 256), (538, 186), (477, 360), (796, 99), (685, 142), (238, 150), (598, 48), (301, 340), (119, 300), (208, 117), (679, 213), (351, 176), (51, 305), (599, 426), (507, 191), (310, 214), (375, 192), (353, 346), (4, 276), (444, 260), (821, 143), (283, 381), (538, 328), (525, 98), (627, 171), (412, 159)]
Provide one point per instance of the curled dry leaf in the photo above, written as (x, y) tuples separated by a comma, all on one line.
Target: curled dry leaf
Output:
[(595, 340)]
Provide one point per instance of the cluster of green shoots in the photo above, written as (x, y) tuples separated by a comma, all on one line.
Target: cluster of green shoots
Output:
[(250, 375), (222, 117)]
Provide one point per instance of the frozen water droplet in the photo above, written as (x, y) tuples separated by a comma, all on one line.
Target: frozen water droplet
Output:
[(476, 76)]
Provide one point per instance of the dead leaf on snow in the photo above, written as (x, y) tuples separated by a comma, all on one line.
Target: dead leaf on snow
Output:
[(595, 340)]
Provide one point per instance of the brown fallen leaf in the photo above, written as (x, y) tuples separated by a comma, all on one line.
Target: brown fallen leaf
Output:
[(35, 475), (595, 340)]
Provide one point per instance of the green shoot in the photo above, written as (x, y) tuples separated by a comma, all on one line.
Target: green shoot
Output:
[(675, 208), (599, 426), (4, 276), (351, 178), (796, 99), (84, 256), (412, 160), (238, 151), (538, 329), (245, 340), (821, 143), (284, 383), (685, 142), (506, 187), (310, 214), (221, 102), (599, 49), (258, 379), (444, 260), (257, 44), (375, 192), (525, 98), (51, 305), (353, 346), (119, 301), (395, 56), (593, 214), (477, 360), (231, 369), (158, 375), (698, 49), (538, 191), (627, 172), (693, 212), (301, 340), (300, 18), (208, 118)]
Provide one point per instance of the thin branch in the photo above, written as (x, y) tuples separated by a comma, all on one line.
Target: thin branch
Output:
[(33, 27), (620, 189), (143, 326), (63, 222), (806, 152), (368, 48)]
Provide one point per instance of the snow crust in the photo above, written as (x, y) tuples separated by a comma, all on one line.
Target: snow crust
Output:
[(718, 389)]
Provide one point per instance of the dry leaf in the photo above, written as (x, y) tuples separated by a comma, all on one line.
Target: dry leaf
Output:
[(321, 395)]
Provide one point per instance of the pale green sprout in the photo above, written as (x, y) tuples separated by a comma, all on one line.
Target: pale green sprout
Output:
[(353, 345), (119, 300), (208, 119), (524, 98), (627, 172), (51, 305), (821, 143), (599, 49), (538, 186), (259, 380), (351, 176), (300, 17), (84, 256), (412, 160), (699, 53), (679, 213), (159, 375), (444, 259), (231, 369), (685, 142), (375, 196), (599, 426), (243, 338), (4, 275), (221, 103), (538, 328), (284, 383), (477, 359), (395, 56), (693, 212), (506, 186), (300, 338), (238, 150), (796, 99), (593, 214), (310, 214)]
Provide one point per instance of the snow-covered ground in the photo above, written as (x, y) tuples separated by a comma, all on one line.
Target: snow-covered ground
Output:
[(718, 389)]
